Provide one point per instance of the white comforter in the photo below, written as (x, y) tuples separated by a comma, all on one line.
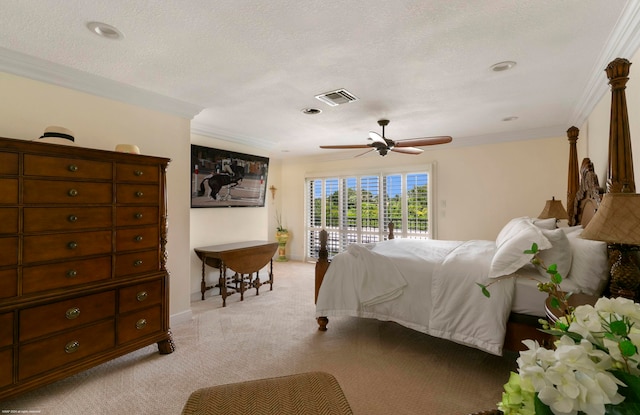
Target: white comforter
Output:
[(429, 286)]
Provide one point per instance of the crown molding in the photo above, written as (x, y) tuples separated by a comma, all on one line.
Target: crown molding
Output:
[(623, 42), (41, 70), (209, 131)]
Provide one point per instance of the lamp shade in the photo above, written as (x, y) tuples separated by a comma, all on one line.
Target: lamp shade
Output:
[(617, 220), (553, 209)]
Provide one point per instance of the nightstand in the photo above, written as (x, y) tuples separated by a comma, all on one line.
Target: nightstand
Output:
[(553, 314)]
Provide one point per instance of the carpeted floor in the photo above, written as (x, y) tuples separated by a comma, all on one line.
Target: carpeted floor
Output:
[(382, 367)]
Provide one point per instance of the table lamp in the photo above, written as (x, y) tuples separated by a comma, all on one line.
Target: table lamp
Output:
[(617, 222), (553, 209)]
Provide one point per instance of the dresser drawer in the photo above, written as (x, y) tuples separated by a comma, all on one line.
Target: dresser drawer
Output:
[(68, 193), (6, 329), (65, 245), (8, 163), (136, 215), (46, 166), (8, 220), (66, 218), (137, 262), (139, 324), (9, 250), (137, 238), (6, 367), (65, 274), (66, 314), (136, 173), (65, 348), (9, 194), (141, 295), (137, 193), (8, 284)]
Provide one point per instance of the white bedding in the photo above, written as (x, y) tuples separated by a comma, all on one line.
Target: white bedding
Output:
[(429, 286)]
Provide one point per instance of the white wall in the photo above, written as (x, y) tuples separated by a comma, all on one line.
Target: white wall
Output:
[(482, 187), (28, 107), (212, 226)]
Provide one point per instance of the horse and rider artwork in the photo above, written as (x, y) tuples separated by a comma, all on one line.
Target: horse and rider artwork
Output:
[(221, 178)]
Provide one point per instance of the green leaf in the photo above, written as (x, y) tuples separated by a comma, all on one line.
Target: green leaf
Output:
[(484, 290), (556, 278), (541, 408), (555, 303), (618, 327), (627, 348), (533, 250), (632, 391), (553, 268)]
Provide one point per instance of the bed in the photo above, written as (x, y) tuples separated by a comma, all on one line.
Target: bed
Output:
[(431, 286)]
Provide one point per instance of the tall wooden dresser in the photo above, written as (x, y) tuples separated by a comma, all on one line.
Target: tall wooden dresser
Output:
[(83, 274)]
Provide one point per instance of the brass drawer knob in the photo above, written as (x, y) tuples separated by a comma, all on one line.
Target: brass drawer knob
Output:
[(139, 193), (138, 238), (73, 192), (72, 245), (72, 273), (137, 263), (72, 346), (138, 173), (140, 324), (72, 313), (73, 168), (73, 218), (142, 295), (138, 215)]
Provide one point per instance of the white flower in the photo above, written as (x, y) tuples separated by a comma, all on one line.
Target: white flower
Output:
[(620, 306)]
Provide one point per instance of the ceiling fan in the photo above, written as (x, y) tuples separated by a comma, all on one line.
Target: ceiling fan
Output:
[(383, 145)]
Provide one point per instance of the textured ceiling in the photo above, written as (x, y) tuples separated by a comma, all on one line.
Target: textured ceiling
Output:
[(244, 69)]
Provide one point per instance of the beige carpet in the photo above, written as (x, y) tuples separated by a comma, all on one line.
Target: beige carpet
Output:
[(382, 368)]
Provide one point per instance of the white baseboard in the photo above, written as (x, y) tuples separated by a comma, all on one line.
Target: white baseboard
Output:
[(181, 317)]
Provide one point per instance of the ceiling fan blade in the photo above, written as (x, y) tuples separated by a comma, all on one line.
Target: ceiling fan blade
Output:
[(348, 146), (366, 152), (424, 141), (407, 150), (376, 137)]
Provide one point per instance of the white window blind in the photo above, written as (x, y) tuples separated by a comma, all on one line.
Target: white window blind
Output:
[(358, 208)]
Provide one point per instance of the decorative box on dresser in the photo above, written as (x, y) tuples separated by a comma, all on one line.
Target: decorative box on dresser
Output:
[(83, 274)]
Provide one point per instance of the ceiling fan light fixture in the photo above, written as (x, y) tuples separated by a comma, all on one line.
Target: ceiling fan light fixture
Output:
[(502, 66)]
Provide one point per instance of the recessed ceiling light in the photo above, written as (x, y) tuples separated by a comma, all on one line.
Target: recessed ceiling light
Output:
[(105, 30), (503, 66), (311, 111), (511, 118)]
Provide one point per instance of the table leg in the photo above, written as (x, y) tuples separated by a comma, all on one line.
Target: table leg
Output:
[(203, 284), (257, 283), (223, 284), (271, 275)]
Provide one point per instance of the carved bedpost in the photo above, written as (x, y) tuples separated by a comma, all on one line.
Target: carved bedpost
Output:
[(574, 175), (321, 268), (391, 236), (620, 165)]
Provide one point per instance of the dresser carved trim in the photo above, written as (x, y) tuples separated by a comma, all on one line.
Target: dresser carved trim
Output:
[(83, 276)]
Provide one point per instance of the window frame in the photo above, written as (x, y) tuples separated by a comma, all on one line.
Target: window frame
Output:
[(382, 233)]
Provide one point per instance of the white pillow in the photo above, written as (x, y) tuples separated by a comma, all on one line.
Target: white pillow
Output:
[(590, 264), (548, 224), (559, 253), (509, 229), (510, 256), (571, 229)]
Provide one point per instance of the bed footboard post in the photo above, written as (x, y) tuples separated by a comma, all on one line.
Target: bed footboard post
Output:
[(390, 225), (321, 268)]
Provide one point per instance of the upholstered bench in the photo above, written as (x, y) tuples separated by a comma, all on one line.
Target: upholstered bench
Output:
[(304, 393)]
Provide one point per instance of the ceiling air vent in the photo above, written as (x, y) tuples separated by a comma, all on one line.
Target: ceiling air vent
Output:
[(337, 97)]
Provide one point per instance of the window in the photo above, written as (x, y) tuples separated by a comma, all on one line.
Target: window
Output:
[(358, 208)]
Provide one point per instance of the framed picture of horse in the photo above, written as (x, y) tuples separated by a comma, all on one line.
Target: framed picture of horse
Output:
[(222, 178)]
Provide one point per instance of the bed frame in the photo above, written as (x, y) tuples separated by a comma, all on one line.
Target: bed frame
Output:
[(583, 196)]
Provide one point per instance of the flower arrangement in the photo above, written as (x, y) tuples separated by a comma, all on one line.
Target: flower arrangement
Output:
[(594, 367), (280, 228)]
